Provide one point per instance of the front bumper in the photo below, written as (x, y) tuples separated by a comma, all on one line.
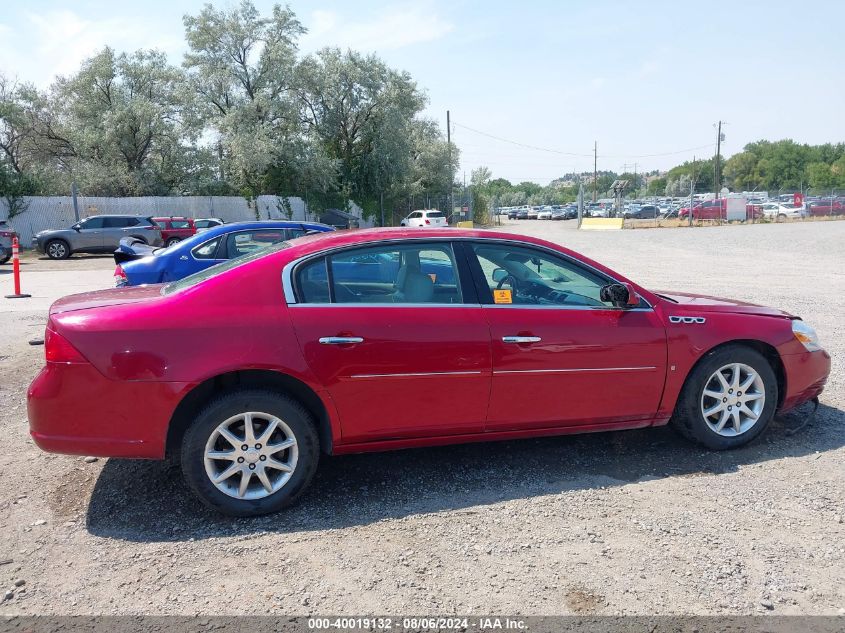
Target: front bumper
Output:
[(37, 245), (74, 409), (806, 375)]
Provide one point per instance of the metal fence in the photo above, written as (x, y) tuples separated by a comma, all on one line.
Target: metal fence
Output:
[(53, 212)]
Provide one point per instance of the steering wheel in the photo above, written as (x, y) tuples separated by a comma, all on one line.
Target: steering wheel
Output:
[(510, 279)]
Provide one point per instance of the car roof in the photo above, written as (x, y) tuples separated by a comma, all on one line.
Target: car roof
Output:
[(317, 242), (223, 229)]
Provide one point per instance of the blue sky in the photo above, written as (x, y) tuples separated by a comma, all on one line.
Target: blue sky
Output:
[(647, 80)]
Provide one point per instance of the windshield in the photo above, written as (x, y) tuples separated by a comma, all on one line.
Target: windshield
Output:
[(213, 271)]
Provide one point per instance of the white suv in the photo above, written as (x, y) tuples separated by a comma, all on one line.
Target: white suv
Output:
[(425, 218)]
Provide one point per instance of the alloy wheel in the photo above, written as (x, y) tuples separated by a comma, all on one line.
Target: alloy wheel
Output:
[(251, 455), (57, 250), (733, 399)]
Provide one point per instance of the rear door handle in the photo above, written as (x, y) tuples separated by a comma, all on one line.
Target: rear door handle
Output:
[(521, 339), (340, 340)]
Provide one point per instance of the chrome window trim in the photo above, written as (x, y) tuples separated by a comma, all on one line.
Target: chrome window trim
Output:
[(385, 305), (290, 296), (573, 307)]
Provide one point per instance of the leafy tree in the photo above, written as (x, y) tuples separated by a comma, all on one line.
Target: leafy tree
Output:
[(820, 176), (656, 186), (241, 71), (361, 113)]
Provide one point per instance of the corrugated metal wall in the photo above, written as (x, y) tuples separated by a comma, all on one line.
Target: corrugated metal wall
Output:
[(56, 212)]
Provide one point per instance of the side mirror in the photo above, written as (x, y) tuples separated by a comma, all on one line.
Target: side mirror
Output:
[(499, 274), (76, 227), (620, 295)]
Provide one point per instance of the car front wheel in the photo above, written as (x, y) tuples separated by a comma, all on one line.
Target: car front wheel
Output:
[(728, 400), (250, 452), (58, 249)]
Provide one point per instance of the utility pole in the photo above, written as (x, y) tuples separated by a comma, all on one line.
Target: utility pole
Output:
[(691, 189), (451, 175), (595, 169), (716, 186)]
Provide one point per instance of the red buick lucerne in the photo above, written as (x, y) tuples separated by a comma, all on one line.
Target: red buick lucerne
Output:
[(393, 338)]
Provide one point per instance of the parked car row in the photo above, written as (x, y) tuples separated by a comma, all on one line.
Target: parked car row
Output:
[(381, 339), (103, 233), (548, 212)]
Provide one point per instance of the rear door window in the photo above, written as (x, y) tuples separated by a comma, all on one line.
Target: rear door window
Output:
[(394, 274)]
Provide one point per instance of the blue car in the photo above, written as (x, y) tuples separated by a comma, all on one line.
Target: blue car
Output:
[(138, 263)]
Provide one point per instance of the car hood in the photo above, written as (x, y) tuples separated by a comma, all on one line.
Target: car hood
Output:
[(109, 297), (705, 303), (51, 232)]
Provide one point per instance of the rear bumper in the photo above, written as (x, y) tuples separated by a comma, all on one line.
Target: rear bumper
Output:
[(74, 409), (806, 375)]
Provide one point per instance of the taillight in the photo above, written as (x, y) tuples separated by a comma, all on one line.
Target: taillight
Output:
[(58, 349), (119, 276), (9, 234)]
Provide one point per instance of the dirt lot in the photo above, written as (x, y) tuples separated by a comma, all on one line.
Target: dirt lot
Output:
[(634, 522)]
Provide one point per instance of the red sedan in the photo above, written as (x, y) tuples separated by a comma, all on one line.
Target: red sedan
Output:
[(385, 339)]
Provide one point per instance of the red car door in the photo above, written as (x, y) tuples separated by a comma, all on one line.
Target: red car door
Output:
[(399, 343), (561, 356)]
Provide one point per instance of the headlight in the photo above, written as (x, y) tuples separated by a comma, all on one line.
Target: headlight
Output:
[(806, 335)]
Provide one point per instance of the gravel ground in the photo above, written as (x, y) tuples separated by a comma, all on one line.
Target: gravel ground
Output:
[(636, 522)]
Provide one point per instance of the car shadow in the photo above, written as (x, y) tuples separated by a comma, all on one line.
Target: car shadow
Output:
[(147, 501)]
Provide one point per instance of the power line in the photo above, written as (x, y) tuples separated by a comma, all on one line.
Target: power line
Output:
[(590, 155), (504, 140)]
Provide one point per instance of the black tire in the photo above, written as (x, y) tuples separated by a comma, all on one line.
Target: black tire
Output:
[(139, 238), (781, 217), (688, 418), (293, 414), (57, 249), (172, 241), (5, 258)]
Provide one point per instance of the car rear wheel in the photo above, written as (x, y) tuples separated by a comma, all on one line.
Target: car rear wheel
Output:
[(250, 452), (57, 249), (728, 400), (173, 240), (781, 217), (5, 258)]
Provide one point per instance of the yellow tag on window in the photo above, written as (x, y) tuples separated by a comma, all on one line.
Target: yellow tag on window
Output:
[(433, 277), (502, 296)]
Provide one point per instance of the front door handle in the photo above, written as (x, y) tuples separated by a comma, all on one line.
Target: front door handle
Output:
[(521, 339), (340, 340)]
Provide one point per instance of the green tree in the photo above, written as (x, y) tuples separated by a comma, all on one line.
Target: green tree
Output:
[(362, 114), (820, 176), (241, 71)]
